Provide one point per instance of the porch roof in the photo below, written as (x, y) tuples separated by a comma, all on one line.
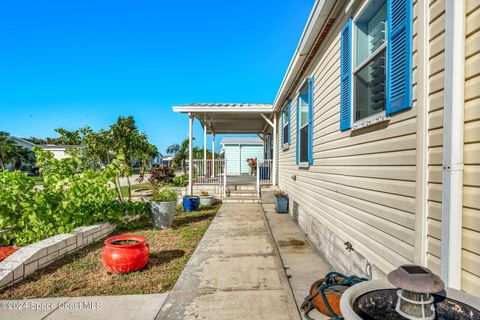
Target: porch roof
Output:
[(224, 118)]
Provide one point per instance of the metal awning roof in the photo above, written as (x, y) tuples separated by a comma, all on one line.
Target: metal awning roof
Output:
[(242, 140), (234, 118)]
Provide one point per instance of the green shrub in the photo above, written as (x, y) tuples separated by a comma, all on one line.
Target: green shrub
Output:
[(72, 196), (165, 194), (180, 181), (161, 175)]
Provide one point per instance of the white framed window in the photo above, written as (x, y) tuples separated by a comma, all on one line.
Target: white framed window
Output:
[(369, 65), (376, 58)]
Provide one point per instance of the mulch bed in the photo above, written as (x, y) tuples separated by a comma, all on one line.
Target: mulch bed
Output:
[(5, 251)]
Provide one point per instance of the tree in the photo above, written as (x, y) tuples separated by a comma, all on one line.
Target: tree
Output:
[(132, 144), (7, 149), (173, 149), (99, 150), (12, 153), (75, 137), (180, 154)]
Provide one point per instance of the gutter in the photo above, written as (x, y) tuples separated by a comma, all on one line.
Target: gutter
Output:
[(453, 139)]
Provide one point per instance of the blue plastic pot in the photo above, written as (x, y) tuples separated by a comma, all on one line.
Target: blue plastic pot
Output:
[(191, 203), (281, 204)]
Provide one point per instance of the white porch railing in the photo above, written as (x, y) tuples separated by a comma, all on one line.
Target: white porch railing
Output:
[(208, 171), (264, 173)]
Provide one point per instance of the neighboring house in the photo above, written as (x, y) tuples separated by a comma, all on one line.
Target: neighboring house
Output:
[(376, 134), (23, 143), (166, 161), (237, 150), (60, 151)]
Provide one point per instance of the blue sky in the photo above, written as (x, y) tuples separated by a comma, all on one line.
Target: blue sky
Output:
[(84, 62)]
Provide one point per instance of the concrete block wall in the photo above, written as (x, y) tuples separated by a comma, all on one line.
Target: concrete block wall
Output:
[(40, 254)]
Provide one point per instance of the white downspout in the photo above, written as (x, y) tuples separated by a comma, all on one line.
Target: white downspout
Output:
[(274, 173), (453, 126), (190, 154)]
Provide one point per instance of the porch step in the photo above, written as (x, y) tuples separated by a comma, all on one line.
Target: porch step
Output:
[(242, 200), (243, 193), (242, 188)]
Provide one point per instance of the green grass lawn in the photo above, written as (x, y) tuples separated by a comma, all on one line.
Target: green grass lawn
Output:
[(139, 186), (82, 273)]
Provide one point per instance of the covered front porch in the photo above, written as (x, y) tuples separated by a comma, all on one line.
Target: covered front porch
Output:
[(240, 119)]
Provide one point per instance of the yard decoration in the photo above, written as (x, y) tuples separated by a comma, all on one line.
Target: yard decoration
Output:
[(125, 253), (206, 200), (191, 203), (163, 207), (281, 202)]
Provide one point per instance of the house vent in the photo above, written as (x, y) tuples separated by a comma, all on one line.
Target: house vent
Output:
[(295, 211)]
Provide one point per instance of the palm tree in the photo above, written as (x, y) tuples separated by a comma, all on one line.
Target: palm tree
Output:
[(180, 154), (173, 149), (8, 149)]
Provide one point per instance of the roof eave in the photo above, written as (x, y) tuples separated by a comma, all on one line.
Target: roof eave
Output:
[(317, 19), (206, 109)]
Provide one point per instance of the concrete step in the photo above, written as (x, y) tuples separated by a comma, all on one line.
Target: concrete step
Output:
[(242, 200), (242, 188), (243, 193)]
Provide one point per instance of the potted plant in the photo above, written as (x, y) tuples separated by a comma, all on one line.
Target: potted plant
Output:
[(125, 253), (163, 207), (281, 202), (205, 199), (191, 203), (252, 163)]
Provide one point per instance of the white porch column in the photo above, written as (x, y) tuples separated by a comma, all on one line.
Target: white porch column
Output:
[(213, 155), (190, 154), (205, 150), (274, 178)]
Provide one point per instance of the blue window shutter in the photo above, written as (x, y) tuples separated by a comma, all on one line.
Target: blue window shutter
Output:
[(297, 151), (346, 76), (289, 119), (310, 120), (399, 55)]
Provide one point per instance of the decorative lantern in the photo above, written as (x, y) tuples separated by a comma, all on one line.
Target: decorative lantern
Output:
[(416, 285)]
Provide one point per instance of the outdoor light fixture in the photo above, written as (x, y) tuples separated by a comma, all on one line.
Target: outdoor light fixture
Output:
[(416, 285)]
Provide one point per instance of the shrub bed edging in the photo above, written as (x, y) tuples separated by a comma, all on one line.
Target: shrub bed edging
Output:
[(38, 255)]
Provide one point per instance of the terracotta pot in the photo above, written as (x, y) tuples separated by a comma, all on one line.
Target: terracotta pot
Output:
[(126, 253)]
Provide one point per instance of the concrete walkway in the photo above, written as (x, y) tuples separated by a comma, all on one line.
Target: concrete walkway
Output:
[(129, 307), (235, 273), (302, 262)]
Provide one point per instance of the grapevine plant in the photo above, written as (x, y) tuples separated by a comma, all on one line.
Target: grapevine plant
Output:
[(73, 195)]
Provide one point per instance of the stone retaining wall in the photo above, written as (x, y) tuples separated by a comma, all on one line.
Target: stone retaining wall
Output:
[(40, 254)]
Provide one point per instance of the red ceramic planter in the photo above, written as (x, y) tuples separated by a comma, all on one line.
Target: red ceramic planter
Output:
[(126, 253)]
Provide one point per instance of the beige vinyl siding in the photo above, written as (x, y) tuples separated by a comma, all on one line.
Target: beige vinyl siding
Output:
[(471, 191), (435, 131), (362, 184)]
